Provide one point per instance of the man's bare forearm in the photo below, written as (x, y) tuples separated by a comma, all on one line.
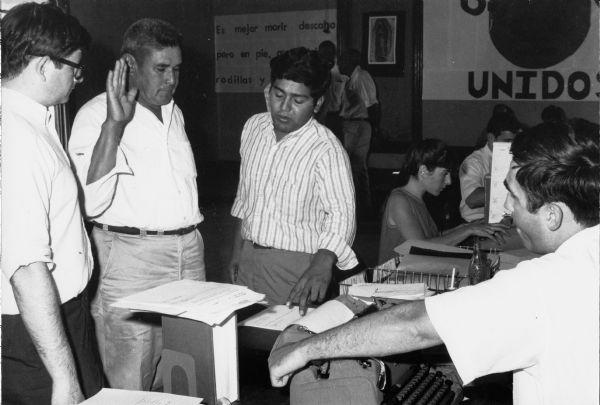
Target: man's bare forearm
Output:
[(399, 329), (104, 155), (39, 306)]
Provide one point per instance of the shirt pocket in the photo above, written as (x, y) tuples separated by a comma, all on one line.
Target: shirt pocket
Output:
[(182, 157)]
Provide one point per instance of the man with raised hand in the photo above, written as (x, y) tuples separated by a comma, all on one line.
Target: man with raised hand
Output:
[(137, 172)]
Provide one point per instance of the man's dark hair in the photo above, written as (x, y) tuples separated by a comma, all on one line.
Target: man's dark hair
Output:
[(302, 66), (585, 131), (554, 114), (503, 121), (555, 168), (327, 52), (429, 152), (149, 33), (32, 29)]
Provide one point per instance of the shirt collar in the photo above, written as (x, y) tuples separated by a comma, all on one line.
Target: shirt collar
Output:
[(295, 134), (25, 106), (165, 110)]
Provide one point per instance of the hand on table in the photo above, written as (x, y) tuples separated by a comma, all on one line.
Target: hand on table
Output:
[(497, 232), (283, 362), (312, 286)]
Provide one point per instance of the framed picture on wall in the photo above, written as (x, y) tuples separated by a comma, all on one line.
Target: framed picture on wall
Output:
[(383, 43)]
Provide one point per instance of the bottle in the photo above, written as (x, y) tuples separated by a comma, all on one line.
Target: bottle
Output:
[(477, 265)]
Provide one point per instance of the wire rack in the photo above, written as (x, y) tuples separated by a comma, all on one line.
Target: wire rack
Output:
[(389, 273)]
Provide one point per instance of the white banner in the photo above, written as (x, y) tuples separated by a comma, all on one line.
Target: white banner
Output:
[(245, 44), (510, 50)]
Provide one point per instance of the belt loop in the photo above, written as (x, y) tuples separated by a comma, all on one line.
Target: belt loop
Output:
[(142, 232)]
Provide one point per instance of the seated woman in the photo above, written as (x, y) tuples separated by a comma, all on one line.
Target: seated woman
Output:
[(425, 170)]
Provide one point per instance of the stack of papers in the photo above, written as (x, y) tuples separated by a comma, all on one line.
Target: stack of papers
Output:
[(393, 291), (277, 317), (126, 397), (434, 263), (405, 248), (207, 302)]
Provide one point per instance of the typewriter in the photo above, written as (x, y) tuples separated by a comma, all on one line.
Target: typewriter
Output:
[(423, 385)]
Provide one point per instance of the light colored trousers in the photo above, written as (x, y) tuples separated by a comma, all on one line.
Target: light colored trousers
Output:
[(357, 142), (131, 343)]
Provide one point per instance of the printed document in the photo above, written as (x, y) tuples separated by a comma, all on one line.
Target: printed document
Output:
[(203, 301), (126, 397), (276, 317)]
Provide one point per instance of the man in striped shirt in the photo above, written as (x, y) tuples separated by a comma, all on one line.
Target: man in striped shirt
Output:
[(295, 198)]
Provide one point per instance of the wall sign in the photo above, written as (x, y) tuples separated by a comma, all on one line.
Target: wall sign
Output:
[(511, 50), (383, 43), (245, 44)]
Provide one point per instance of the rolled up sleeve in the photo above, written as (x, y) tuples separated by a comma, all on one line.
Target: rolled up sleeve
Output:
[(97, 196), (26, 190), (336, 193)]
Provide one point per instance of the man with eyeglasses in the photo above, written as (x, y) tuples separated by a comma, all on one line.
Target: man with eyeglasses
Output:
[(78, 68), (49, 353), (137, 171)]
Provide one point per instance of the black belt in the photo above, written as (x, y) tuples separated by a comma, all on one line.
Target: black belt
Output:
[(356, 119), (257, 246), (129, 230)]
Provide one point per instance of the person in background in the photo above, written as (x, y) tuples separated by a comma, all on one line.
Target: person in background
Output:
[(360, 117), (501, 127), (523, 320), (137, 171), (329, 114), (295, 201), (554, 115), (49, 353), (426, 169)]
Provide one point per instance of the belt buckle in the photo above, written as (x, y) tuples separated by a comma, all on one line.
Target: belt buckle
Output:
[(160, 233), (143, 232)]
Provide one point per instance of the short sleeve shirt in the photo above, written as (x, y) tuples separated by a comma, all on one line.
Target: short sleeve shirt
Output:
[(41, 218), (539, 319)]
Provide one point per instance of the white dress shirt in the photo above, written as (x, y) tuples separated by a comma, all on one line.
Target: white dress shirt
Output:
[(359, 94), (41, 218), (296, 194), (153, 184), (539, 319), (472, 176)]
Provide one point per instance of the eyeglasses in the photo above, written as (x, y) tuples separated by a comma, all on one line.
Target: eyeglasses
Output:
[(78, 68)]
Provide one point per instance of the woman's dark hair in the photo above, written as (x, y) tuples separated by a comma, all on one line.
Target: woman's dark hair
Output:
[(302, 66), (32, 29), (429, 152), (555, 168)]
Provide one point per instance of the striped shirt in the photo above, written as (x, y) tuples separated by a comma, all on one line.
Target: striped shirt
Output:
[(296, 194)]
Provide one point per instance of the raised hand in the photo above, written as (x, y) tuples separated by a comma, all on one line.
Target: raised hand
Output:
[(120, 103)]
